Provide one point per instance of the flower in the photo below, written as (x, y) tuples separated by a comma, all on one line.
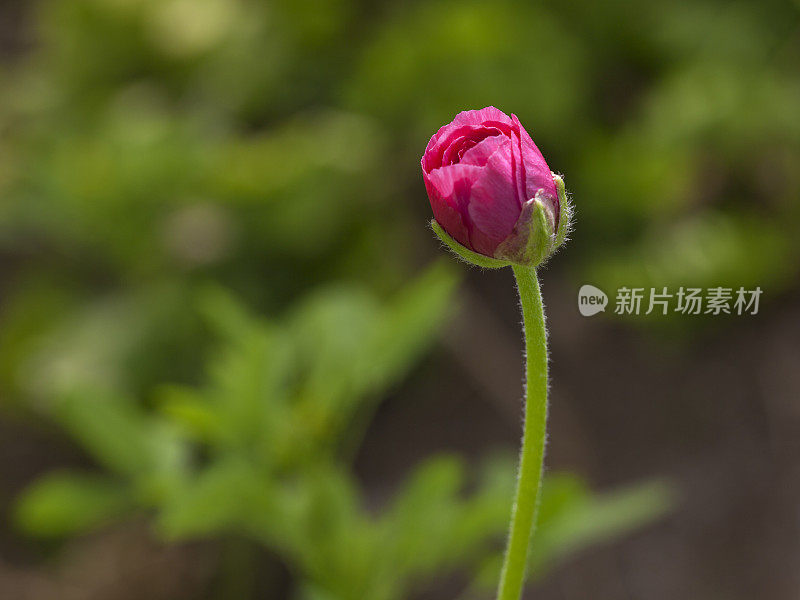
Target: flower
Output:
[(486, 180)]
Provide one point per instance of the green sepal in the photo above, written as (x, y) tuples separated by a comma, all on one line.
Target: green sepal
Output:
[(564, 212), (541, 242), (531, 241), (464, 253)]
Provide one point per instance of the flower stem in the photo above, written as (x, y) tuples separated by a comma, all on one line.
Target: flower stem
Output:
[(529, 480)]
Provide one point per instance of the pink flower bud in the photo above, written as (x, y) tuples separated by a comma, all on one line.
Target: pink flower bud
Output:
[(484, 177)]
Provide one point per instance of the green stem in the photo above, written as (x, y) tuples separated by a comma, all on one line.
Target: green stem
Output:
[(529, 481)]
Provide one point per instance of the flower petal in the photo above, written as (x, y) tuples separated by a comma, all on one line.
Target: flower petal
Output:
[(537, 173), (449, 192), (488, 116), (479, 154), (517, 168), (456, 148), (445, 150), (468, 123), (493, 206)]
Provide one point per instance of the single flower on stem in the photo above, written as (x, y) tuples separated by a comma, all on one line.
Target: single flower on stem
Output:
[(495, 204)]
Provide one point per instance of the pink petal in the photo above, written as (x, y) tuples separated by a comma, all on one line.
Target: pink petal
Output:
[(450, 142), (518, 169), (485, 116), (479, 154), (537, 173), (458, 146), (449, 192), (465, 124), (493, 206)]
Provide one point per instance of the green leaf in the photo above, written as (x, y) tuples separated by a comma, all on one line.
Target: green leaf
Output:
[(432, 526), (350, 348), (191, 411), (227, 496), (112, 428), (65, 504), (246, 401), (226, 315), (432, 488), (412, 322), (121, 436), (573, 519), (333, 331)]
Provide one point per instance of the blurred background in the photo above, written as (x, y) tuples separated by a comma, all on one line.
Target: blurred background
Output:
[(235, 362)]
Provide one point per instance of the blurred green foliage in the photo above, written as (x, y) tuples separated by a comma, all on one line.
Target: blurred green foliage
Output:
[(156, 152), (263, 450)]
